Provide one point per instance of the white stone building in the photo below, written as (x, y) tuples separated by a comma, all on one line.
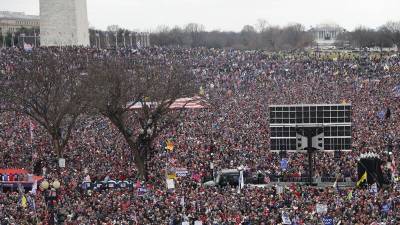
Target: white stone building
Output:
[(64, 23), (11, 22), (325, 35)]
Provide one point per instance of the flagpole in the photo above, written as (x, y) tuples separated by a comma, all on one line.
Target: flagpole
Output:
[(31, 137)]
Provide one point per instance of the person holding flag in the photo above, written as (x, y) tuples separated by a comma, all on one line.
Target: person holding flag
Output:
[(170, 145)]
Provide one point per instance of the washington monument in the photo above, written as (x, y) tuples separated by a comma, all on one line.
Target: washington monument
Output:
[(64, 23)]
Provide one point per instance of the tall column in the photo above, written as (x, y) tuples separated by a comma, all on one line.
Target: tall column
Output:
[(65, 17)]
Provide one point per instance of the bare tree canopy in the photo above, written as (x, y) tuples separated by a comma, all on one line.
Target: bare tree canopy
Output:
[(392, 28), (264, 37), (47, 87), (116, 84)]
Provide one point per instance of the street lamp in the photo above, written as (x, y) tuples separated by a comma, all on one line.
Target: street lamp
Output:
[(34, 34), (12, 39), (116, 40), (108, 43), (130, 35), (4, 40), (23, 38), (124, 39), (241, 178), (98, 40), (50, 190)]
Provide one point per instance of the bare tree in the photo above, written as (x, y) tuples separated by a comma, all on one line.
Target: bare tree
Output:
[(394, 30), (136, 95), (294, 36), (262, 25), (384, 38), (264, 37), (249, 36), (196, 32), (47, 87)]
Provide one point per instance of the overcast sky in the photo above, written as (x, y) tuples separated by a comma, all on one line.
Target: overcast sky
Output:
[(146, 15)]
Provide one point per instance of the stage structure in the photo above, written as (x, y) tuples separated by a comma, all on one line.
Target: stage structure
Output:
[(310, 128), (328, 126)]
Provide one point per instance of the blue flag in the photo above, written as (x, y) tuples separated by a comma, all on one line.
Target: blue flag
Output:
[(381, 114), (141, 191), (327, 220), (284, 164), (386, 208)]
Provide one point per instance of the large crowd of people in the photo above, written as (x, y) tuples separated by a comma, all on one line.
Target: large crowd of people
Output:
[(232, 131)]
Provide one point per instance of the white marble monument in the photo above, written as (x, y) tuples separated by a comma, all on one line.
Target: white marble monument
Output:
[(64, 23)]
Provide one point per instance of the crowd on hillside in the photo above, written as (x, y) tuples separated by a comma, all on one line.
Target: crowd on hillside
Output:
[(233, 131)]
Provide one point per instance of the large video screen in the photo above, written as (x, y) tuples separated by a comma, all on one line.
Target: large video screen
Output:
[(286, 121)]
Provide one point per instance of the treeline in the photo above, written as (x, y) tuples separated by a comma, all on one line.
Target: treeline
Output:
[(386, 36), (274, 38), (262, 36)]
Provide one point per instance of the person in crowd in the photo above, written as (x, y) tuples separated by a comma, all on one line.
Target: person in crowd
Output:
[(234, 131)]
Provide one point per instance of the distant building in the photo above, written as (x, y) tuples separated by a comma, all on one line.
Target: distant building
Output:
[(11, 22), (64, 23), (325, 35)]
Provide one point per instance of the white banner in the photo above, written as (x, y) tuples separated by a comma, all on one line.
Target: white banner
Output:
[(61, 162), (322, 208), (170, 184), (286, 218)]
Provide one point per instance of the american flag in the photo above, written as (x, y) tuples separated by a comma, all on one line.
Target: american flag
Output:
[(180, 103), (188, 103)]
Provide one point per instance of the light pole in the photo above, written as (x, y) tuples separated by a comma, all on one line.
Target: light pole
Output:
[(34, 34), (50, 196), (116, 40), (241, 179), (148, 39), (130, 35), (23, 38), (124, 39), (4, 40), (98, 40), (12, 39), (108, 43)]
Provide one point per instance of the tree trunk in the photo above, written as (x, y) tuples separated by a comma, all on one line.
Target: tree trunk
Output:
[(141, 167), (57, 147), (140, 158)]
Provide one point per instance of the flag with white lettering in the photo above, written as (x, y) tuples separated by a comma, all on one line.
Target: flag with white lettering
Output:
[(286, 218), (327, 220)]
